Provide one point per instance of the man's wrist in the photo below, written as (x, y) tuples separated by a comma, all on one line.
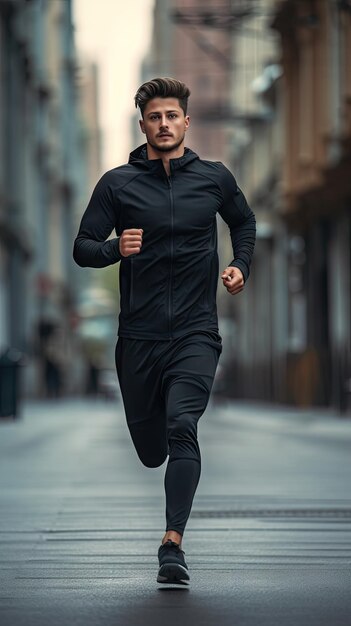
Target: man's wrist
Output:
[(117, 248), (242, 267)]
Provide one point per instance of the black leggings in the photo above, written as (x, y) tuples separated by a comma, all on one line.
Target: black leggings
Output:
[(165, 387)]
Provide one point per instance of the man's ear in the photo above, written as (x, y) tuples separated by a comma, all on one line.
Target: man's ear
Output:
[(187, 122), (142, 126)]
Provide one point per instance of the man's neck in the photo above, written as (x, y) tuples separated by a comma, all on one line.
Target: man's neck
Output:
[(152, 153)]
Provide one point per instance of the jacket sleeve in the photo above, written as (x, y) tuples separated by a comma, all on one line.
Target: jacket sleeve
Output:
[(241, 221), (100, 217)]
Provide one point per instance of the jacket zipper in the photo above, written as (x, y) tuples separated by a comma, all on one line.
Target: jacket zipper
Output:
[(171, 268), (131, 286)]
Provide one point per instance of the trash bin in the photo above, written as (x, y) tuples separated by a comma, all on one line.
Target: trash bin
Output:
[(10, 361)]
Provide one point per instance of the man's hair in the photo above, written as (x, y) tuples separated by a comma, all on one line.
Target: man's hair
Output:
[(162, 88)]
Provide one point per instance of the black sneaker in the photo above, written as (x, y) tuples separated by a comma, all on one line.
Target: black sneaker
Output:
[(173, 568)]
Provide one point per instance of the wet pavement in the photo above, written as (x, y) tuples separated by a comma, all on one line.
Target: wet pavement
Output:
[(268, 542)]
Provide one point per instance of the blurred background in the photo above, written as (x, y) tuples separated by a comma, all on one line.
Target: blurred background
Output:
[(271, 98)]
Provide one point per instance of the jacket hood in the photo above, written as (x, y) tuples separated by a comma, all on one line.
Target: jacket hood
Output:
[(139, 158)]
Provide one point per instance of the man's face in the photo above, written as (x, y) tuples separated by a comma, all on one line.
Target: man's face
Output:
[(164, 124)]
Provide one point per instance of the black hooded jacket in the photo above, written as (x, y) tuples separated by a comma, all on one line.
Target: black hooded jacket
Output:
[(169, 288)]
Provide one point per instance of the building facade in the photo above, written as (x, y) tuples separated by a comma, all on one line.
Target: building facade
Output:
[(40, 177), (316, 197)]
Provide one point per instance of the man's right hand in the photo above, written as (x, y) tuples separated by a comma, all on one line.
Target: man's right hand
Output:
[(130, 241)]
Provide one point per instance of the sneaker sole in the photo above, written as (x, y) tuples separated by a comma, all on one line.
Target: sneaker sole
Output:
[(173, 573)]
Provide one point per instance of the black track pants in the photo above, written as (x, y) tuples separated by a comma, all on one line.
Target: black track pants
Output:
[(165, 387)]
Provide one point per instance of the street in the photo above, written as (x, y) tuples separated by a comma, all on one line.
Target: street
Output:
[(268, 542)]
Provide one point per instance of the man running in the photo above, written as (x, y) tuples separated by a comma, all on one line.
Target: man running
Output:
[(162, 205)]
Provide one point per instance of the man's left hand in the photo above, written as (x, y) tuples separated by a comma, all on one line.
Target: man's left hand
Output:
[(233, 280)]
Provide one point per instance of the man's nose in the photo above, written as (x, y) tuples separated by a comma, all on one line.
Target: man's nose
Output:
[(163, 121)]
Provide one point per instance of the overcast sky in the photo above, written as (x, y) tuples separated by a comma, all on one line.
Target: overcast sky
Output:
[(116, 35)]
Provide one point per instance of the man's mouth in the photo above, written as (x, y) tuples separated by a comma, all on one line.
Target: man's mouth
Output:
[(165, 135)]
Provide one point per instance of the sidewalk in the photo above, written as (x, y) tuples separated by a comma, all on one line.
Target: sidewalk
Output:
[(268, 541), (314, 422)]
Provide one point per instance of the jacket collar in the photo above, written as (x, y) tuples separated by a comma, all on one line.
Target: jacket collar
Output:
[(139, 158)]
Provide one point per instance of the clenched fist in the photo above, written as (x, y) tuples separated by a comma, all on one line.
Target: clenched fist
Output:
[(233, 280), (130, 241)]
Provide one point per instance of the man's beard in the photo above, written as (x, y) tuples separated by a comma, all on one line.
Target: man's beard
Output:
[(167, 147)]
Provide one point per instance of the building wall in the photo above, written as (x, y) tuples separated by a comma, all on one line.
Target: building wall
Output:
[(39, 180), (290, 153), (316, 191), (257, 315)]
